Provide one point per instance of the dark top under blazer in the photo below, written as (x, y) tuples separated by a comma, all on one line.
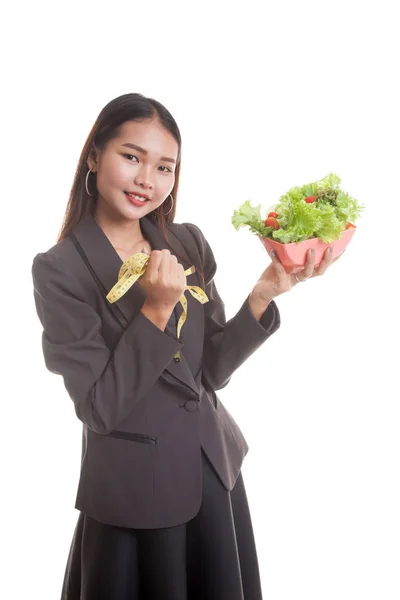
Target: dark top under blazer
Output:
[(145, 417)]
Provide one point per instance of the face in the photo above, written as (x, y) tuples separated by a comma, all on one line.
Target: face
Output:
[(140, 160)]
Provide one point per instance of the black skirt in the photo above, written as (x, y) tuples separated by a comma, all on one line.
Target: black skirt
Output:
[(212, 557)]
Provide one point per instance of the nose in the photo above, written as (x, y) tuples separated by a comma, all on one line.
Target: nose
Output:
[(143, 177)]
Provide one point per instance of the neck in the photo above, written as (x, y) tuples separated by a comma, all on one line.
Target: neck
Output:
[(123, 234)]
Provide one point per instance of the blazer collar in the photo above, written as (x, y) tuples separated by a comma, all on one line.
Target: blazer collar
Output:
[(104, 263)]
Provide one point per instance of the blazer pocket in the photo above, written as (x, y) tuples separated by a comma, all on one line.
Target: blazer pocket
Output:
[(133, 437)]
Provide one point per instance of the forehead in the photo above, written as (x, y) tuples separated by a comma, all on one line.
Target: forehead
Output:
[(150, 135)]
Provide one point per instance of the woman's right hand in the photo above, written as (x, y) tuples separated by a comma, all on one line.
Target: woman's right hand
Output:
[(164, 280)]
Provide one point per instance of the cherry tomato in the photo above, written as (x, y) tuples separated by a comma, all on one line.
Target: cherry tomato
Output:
[(310, 199), (273, 214), (349, 225), (271, 222)]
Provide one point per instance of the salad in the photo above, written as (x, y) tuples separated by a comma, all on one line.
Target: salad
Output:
[(315, 210)]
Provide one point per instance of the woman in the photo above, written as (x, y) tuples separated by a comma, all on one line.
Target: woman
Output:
[(163, 510)]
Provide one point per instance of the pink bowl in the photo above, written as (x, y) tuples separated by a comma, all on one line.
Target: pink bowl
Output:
[(293, 256)]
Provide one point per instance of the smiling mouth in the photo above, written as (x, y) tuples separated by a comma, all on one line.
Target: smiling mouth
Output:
[(137, 197)]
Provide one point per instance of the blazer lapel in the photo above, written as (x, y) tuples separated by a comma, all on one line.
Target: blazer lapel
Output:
[(104, 264)]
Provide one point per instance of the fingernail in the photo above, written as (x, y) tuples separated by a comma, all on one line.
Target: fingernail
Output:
[(273, 253), (331, 250), (312, 251)]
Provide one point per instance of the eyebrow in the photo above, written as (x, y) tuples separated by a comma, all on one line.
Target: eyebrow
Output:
[(134, 147)]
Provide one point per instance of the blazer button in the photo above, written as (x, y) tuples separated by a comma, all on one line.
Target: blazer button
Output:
[(191, 405)]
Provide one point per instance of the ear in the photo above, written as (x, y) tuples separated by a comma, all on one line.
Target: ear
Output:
[(92, 160)]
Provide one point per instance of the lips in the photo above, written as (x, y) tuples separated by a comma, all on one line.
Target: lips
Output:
[(138, 194), (135, 200)]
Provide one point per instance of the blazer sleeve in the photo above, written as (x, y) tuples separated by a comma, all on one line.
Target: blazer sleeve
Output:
[(227, 344), (103, 384)]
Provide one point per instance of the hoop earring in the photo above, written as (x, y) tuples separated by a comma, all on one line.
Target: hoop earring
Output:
[(165, 214), (86, 183)]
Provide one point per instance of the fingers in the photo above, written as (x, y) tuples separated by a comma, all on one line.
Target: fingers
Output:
[(308, 271), (177, 273), (309, 266), (164, 266), (153, 264), (326, 261), (166, 269)]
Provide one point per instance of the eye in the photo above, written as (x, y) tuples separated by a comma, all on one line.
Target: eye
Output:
[(130, 156)]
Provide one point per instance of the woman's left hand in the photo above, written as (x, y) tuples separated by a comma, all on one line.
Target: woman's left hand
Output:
[(275, 281)]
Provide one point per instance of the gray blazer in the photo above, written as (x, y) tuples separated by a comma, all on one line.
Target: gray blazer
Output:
[(145, 417)]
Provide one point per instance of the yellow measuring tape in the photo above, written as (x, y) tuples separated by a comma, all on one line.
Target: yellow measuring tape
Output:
[(135, 267)]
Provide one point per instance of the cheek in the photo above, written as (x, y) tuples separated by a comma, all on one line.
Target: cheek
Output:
[(166, 183), (114, 173)]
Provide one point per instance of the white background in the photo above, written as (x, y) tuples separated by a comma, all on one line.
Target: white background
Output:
[(267, 95)]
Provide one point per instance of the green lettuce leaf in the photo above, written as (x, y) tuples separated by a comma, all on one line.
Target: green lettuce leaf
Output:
[(250, 216)]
